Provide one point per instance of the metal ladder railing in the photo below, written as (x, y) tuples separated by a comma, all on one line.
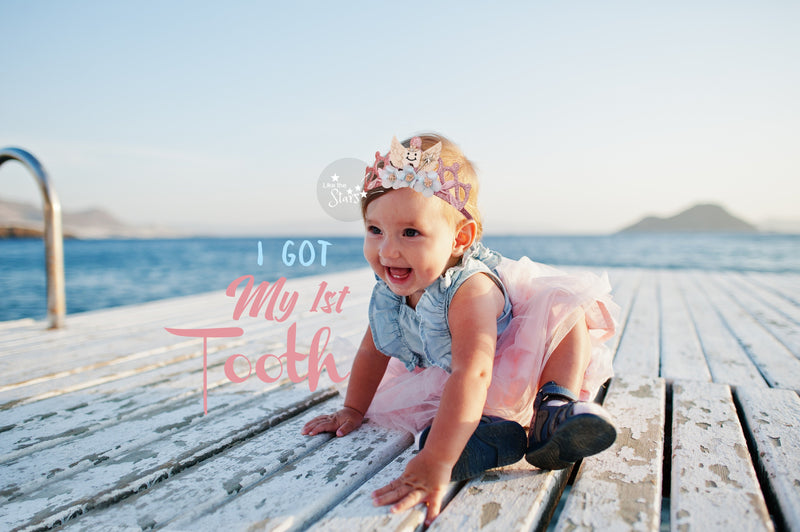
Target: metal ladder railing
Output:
[(53, 234)]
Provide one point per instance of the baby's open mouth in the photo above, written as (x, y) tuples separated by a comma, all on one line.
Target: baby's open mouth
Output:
[(398, 273)]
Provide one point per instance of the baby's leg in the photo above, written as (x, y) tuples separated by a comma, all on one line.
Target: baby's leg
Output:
[(496, 442), (563, 429), (568, 361)]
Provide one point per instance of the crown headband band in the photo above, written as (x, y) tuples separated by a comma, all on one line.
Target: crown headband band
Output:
[(422, 171)]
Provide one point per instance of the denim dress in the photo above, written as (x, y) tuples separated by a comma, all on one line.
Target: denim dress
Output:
[(420, 337), (542, 304)]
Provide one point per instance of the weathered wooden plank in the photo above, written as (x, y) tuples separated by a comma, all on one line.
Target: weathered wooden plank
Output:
[(517, 497), (76, 412), (32, 331), (639, 347), (37, 388), (330, 473), (255, 341), (209, 483), (101, 480), (786, 285), (620, 489), (83, 450), (727, 360), (125, 432), (83, 413), (771, 298), (23, 326), (713, 484), (80, 414), (112, 322), (681, 354), (775, 362), (786, 330), (357, 512), (772, 417), (177, 310), (106, 353), (32, 387), (624, 284), (103, 338), (170, 410)]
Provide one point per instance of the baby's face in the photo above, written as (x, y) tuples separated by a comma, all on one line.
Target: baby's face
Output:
[(409, 241)]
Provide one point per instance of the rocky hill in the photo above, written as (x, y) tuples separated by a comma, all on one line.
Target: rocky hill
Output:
[(22, 220), (704, 218)]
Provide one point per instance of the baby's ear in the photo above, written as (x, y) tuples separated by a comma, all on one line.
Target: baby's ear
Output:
[(466, 232)]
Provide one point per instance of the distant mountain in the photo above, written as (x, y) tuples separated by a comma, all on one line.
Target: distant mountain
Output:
[(21, 220), (705, 218)]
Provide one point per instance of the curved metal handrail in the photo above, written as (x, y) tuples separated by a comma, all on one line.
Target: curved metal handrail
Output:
[(53, 234)]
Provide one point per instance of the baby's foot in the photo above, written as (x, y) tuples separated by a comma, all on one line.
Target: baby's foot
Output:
[(564, 430), (495, 443)]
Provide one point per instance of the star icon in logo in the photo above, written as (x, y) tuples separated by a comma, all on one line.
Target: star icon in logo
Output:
[(335, 178)]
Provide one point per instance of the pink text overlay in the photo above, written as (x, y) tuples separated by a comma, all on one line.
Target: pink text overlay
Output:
[(277, 304)]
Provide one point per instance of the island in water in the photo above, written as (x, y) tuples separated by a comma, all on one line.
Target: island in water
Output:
[(22, 220), (703, 218)]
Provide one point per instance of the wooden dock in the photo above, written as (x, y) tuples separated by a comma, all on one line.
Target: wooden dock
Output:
[(102, 423)]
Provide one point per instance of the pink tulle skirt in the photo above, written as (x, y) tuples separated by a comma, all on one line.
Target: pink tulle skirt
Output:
[(546, 305)]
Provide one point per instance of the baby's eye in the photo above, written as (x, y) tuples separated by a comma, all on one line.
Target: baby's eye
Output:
[(410, 232), (374, 230)]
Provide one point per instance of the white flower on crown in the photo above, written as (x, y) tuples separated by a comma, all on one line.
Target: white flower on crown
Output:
[(427, 183)]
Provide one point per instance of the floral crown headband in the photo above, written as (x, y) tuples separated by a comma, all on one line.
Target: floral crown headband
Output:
[(419, 170)]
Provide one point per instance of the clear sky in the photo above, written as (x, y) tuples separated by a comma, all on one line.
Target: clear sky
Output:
[(582, 116)]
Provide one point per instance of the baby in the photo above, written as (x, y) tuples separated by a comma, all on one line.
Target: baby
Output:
[(464, 345)]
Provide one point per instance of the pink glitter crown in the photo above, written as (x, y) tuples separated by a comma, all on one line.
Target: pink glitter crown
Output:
[(423, 171)]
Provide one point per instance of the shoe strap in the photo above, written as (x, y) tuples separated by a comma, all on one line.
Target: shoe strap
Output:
[(550, 389)]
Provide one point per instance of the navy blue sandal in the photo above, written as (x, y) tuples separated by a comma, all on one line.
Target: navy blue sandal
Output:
[(565, 430), (495, 443)]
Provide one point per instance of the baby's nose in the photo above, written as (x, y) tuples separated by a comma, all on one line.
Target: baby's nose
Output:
[(388, 249)]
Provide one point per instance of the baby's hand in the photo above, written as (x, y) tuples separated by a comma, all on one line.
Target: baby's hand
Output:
[(424, 480), (342, 423)]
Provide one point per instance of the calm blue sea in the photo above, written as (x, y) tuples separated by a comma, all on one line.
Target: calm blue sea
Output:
[(107, 273)]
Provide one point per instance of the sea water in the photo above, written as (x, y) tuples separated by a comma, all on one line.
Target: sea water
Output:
[(108, 273)]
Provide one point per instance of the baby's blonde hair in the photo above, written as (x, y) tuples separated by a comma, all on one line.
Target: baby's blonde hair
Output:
[(450, 154)]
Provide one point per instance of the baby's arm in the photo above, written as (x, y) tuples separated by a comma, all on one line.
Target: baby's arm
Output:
[(367, 372), (473, 326)]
